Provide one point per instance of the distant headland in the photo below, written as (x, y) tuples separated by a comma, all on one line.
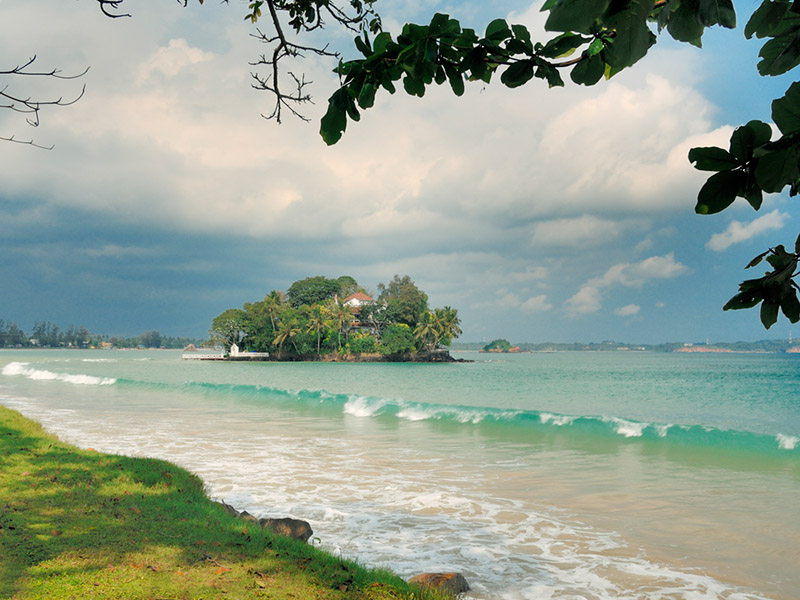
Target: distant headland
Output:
[(501, 345)]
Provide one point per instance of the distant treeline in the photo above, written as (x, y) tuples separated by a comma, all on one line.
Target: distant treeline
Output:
[(608, 346), (50, 335)]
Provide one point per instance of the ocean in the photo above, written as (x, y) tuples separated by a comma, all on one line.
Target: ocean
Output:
[(568, 475)]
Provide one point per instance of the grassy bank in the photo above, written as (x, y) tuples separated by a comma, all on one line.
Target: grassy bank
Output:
[(80, 524)]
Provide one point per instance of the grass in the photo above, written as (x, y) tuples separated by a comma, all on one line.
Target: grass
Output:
[(77, 524)]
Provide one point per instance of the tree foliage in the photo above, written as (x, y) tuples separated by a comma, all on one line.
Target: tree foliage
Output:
[(498, 345), (605, 37), (311, 320), (404, 302)]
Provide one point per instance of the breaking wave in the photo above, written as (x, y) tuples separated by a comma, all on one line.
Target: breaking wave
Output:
[(23, 369)]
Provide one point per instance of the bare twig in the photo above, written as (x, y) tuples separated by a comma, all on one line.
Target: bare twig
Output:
[(26, 142)]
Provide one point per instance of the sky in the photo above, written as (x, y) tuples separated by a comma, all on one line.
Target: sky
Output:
[(562, 214)]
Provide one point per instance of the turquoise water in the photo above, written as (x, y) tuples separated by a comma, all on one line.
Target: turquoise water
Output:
[(562, 475)]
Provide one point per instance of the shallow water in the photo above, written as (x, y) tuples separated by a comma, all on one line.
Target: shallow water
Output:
[(565, 475)]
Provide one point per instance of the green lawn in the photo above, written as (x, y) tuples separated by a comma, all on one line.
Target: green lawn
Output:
[(77, 524)]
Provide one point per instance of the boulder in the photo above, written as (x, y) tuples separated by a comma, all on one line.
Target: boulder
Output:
[(450, 583), (293, 528), (247, 517), (228, 508)]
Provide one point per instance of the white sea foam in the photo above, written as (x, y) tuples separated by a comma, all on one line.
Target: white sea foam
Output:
[(787, 442), (358, 406), (628, 428), (559, 420), (20, 368), (414, 413)]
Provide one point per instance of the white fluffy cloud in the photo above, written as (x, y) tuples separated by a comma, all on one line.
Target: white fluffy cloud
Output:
[(741, 232), (579, 232), (628, 310), (589, 298)]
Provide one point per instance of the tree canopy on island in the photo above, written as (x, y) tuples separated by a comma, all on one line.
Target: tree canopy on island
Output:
[(593, 40), (313, 319)]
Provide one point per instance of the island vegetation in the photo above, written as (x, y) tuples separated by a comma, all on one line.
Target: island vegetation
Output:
[(500, 345), (337, 319)]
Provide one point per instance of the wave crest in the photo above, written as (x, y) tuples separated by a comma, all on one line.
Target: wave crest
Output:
[(21, 368)]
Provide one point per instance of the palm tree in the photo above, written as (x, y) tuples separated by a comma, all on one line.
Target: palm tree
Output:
[(427, 330), (287, 329), (273, 304), (340, 316), (449, 324), (317, 323)]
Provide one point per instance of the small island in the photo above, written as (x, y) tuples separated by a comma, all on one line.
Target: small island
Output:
[(324, 319), (500, 345)]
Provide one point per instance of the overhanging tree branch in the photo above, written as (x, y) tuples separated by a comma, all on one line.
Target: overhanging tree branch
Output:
[(28, 105)]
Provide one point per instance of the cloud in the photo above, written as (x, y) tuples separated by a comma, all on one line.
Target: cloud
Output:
[(628, 310), (511, 300), (172, 59), (579, 232), (589, 298), (487, 201), (536, 304), (585, 301), (741, 232)]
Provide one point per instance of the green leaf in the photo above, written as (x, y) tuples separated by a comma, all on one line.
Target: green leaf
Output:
[(363, 45), (786, 110), (797, 245), (743, 141), (498, 30), (719, 192), (742, 300), (352, 111), (519, 73), (439, 24), (752, 192), (575, 15), (780, 55), (333, 124), (475, 63), (769, 314), (456, 80), (561, 45), (366, 97), (711, 158), (441, 76), (521, 33), (589, 71), (550, 73), (633, 37), (684, 24), (790, 306), (381, 42), (777, 169), (757, 260), (413, 86), (713, 12), (765, 19)]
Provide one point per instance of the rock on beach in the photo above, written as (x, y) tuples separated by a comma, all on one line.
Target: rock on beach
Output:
[(451, 583), (296, 529)]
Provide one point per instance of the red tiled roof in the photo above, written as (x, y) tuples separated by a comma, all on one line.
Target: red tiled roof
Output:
[(359, 296)]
